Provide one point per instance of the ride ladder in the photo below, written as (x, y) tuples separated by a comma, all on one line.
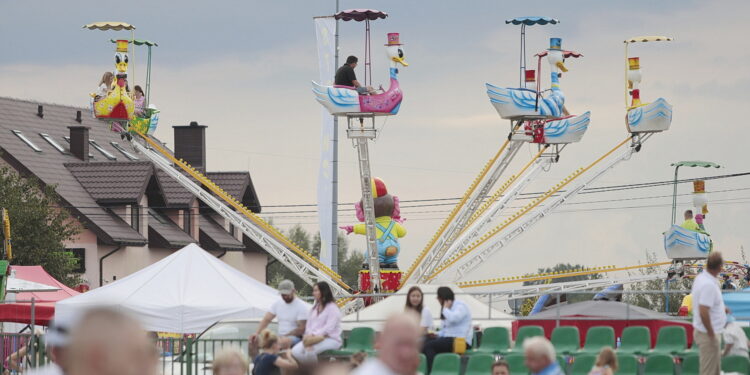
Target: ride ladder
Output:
[(466, 265), (359, 136), (296, 259)]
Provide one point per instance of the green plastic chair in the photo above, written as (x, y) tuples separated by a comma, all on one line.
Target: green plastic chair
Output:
[(659, 364), (671, 340), (360, 339), (635, 340), (516, 364), (691, 365), (596, 339), (627, 364), (563, 362), (735, 363), (479, 364), (747, 332), (494, 340), (524, 333), (422, 364), (566, 339), (446, 364), (583, 364)]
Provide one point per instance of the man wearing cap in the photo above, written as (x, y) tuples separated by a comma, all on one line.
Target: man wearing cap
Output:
[(291, 313)]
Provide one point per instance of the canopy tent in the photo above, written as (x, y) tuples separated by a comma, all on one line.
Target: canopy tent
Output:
[(617, 315), (183, 293), (44, 302), (373, 315), (739, 304)]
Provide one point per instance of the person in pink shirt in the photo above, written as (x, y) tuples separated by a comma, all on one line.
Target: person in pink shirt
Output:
[(323, 327)]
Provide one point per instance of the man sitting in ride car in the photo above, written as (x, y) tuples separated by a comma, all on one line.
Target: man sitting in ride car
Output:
[(690, 223), (345, 77)]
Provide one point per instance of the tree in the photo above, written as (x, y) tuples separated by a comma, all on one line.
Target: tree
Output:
[(39, 227), (657, 301), (528, 303), (350, 262)]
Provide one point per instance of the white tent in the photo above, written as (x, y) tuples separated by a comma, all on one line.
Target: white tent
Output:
[(373, 315), (183, 293)]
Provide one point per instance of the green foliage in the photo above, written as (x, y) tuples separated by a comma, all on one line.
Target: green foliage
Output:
[(528, 303), (350, 262), (657, 301), (39, 227)]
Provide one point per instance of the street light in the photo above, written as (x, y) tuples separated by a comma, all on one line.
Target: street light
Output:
[(691, 164)]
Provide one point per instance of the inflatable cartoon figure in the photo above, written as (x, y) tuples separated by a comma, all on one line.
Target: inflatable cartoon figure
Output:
[(387, 224), (117, 105)]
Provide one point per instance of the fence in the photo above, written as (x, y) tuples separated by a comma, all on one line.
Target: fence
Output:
[(192, 355)]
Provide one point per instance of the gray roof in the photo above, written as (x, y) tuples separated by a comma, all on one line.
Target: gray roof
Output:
[(599, 309), (163, 232), (214, 237), (126, 183), (83, 186), (239, 185)]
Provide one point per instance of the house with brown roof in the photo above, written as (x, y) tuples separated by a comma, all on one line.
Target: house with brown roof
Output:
[(132, 214)]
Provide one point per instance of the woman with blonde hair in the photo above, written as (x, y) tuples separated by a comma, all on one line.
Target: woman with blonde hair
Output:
[(606, 362), (269, 361), (230, 362), (104, 85)]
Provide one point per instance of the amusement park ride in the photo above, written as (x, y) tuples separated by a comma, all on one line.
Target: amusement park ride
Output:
[(465, 239)]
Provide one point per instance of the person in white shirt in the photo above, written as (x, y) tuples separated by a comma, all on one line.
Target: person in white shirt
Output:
[(735, 340), (292, 316), (398, 347), (709, 315), (415, 302), (456, 318)]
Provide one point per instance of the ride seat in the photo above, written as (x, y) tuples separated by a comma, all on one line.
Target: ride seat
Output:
[(344, 87)]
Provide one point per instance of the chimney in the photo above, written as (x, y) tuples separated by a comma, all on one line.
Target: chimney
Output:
[(79, 142), (190, 144), (40, 111), (78, 117)]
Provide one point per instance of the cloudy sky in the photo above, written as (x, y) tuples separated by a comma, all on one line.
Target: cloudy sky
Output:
[(244, 69)]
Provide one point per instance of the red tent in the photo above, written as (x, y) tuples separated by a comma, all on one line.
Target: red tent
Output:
[(617, 315), (44, 302)]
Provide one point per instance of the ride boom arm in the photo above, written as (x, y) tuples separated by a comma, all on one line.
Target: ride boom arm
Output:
[(304, 265), (464, 266)]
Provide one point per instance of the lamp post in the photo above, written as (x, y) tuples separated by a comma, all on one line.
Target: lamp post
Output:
[(692, 164)]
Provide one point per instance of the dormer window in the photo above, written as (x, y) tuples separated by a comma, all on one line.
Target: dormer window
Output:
[(26, 140)]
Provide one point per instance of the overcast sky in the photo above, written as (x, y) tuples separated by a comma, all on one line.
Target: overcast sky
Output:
[(244, 69)]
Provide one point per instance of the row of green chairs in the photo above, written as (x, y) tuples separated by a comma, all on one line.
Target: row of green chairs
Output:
[(732, 363)]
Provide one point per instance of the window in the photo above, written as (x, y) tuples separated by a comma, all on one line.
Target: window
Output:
[(121, 149), (80, 255), (26, 140), (67, 139), (187, 221), (135, 217), (231, 229), (53, 143), (104, 152)]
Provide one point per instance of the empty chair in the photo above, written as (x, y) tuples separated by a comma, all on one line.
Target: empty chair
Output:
[(583, 364), (691, 365), (735, 363), (659, 364), (671, 340), (479, 364), (494, 340), (446, 364), (635, 340), (422, 364), (516, 364), (596, 339), (524, 333), (566, 339), (627, 364), (360, 339)]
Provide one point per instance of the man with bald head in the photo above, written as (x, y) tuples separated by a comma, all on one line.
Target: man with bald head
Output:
[(398, 347), (106, 342)]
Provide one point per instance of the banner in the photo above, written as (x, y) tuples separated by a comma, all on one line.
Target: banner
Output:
[(325, 32)]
